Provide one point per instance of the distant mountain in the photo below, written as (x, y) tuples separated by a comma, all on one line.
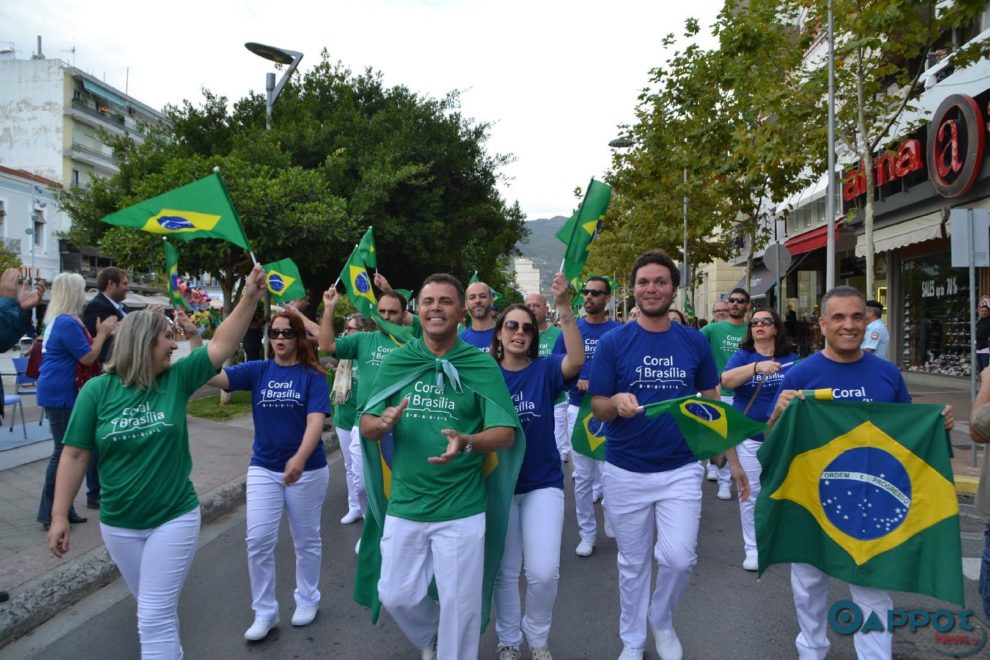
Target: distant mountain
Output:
[(543, 248)]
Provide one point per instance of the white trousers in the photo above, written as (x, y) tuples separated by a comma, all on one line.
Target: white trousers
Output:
[(725, 472), (810, 589), (665, 506), (350, 451), (536, 521), (154, 563), (560, 432), (267, 499), (452, 552), (587, 479), (746, 452)]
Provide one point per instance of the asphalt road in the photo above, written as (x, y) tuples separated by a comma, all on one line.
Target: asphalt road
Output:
[(725, 613)]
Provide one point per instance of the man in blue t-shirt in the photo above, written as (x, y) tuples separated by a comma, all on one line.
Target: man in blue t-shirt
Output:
[(852, 374), (652, 480), (587, 470), (479, 306)]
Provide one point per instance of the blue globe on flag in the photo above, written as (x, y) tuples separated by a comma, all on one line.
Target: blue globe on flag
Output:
[(865, 492), (703, 411), (174, 279), (361, 283), (175, 222), (276, 283)]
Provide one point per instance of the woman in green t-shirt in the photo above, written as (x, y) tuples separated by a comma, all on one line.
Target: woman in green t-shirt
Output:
[(135, 416)]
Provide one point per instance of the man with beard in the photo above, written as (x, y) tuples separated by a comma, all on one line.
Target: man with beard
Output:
[(587, 470), (537, 303), (724, 338), (479, 306), (652, 480)]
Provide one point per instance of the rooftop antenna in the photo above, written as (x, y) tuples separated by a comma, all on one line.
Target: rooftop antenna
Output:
[(71, 51), (39, 55)]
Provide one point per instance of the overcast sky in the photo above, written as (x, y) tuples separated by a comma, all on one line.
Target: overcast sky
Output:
[(555, 78)]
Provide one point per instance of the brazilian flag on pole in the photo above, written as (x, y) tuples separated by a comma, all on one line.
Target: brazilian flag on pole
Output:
[(588, 437), (863, 492), (582, 228), (172, 271), (358, 285), (709, 427), (366, 248), (201, 209), (284, 281)]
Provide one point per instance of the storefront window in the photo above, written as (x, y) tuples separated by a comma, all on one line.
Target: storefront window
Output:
[(935, 317)]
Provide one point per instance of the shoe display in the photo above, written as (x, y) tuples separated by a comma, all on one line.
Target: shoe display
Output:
[(541, 653), (724, 492), (751, 562), (609, 532), (585, 548), (430, 652), (509, 653), (352, 516), (629, 653), (303, 616), (668, 646), (260, 629)]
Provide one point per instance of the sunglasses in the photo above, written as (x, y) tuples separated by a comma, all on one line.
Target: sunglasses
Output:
[(275, 333), (594, 293), (763, 320), (512, 326), (738, 301), (351, 328)]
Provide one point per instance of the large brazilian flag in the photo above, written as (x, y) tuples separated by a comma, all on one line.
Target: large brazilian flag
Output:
[(863, 492)]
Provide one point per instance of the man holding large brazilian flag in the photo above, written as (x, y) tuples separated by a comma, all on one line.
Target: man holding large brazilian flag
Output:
[(442, 450), (858, 488)]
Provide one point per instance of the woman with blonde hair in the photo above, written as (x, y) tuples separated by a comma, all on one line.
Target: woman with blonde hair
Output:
[(135, 416), (65, 345)]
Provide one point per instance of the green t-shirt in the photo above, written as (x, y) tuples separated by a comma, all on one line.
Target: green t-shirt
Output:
[(143, 442), (425, 492), (345, 414), (724, 338), (368, 349)]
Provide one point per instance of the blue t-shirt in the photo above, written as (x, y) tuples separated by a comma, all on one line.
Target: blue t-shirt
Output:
[(534, 390), (654, 366), (742, 394), (591, 333), (281, 398), (479, 338), (869, 378), (65, 342)]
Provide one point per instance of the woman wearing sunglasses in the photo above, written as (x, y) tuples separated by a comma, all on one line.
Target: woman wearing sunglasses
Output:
[(754, 373), (288, 473), (536, 516)]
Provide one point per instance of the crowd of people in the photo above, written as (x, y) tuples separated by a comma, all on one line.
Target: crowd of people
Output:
[(438, 403)]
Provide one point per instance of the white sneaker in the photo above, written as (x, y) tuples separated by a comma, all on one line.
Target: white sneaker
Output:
[(751, 562), (668, 646), (609, 532), (540, 653), (712, 473), (260, 629), (585, 548), (724, 492), (352, 516), (509, 653), (357, 547), (304, 615), (629, 653), (430, 652)]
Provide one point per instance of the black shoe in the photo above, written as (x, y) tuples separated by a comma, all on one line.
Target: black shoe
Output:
[(92, 504), (76, 519), (4, 596)]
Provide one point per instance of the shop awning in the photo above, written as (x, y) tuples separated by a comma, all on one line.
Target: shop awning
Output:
[(918, 230), (811, 240), (761, 280), (103, 93)]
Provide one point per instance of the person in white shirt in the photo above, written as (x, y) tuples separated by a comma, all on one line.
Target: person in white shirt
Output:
[(877, 339)]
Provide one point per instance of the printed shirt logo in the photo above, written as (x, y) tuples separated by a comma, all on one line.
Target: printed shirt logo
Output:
[(428, 401), (524, 408), (279, 394), (659, 373), (137, 422)]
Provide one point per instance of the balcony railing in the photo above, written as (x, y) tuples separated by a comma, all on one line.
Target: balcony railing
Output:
[(112, 117)]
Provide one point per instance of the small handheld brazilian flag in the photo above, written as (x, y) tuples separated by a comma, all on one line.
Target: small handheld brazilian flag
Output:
[(709, 427), (588, 437), (358, 285), (366, 248), (201, 209), (284, 281), (172, 272)]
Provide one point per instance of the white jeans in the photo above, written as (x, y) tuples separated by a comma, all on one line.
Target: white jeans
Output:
[(453, 552), (536, 521), (725, 472), (560, 429), (350, 444), (643, 506), (810, 589), (746, 452), (587, 479), (267, 499), (155, 563)]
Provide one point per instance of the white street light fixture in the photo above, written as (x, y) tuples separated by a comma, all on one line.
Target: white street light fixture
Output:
[(279, 56)]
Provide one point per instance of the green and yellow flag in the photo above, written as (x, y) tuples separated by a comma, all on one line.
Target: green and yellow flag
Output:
[(172, 272), (582, 228), (496, 297), (201, 209), (358, 284), (588, 437), (366, 248), (709, 427), (864, 492), (284, 281)]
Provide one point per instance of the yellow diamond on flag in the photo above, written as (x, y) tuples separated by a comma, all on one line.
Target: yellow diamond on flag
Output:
[(489, 464), (360, 283), (278, 282), (594, 441), (706, 414), (170, 221)]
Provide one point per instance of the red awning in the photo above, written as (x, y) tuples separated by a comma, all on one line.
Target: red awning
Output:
[(810, 240)]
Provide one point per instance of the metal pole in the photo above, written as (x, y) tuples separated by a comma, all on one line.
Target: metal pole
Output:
[(684, 275), (269, 99), (830, 194), (972, 320)]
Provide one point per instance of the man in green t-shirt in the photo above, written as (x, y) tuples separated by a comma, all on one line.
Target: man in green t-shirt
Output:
[(549, 333), (435, 521), (724, 338)]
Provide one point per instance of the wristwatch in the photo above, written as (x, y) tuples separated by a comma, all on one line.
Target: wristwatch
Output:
[(469, 447)]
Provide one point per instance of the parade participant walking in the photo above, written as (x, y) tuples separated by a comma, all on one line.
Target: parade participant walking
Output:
[(135, 413), (852, 375), (588, 471), (877, 338), (479, 306), (66, 344), (720, 311), (754, 374), (288, 473), (536, 518), (724, 338), (537, 303), (434, 527), (983, 334), (652, 480)]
